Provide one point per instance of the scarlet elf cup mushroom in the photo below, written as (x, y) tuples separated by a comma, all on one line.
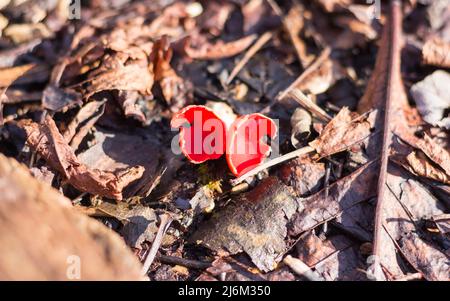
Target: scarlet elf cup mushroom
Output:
[(204, 136)]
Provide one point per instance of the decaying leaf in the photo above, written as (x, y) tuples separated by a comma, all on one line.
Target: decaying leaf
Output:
[(254, 223), (32, 210), (218, 50), (436, 52), (82, 123), (341, 195), (432, 99), (345, 130), (336, 258), (301, 122), (304, 175), (116, 153), (132, 77), (422, 167), (46, 140), (173, 87)]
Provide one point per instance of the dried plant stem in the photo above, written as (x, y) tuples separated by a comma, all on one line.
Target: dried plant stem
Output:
[(262, 40), (299, 152), (189, 263), (301, 269), (308, 104), (166, 220), (394, 38)]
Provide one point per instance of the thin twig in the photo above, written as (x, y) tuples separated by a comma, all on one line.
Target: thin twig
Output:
[(189, 263), (409, 277), (166, 220), (301, 269), (308, 104), (299, 152), (262, 40)]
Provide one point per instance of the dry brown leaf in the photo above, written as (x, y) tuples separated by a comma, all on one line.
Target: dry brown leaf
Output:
[(46, 140), (293, 23), (341, 196), (132, 77), (220, 49), (254, 223), (334, 5), (434, 151), (23, 75), (116, 151), (173, 87), (336, 258), (343, 131), (436, 52), (34, 214), (422, 167)]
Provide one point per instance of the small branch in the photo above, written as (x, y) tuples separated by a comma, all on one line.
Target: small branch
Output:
[(409, 277), (301, 269), (166, 220), (299, 152), (262, 40), (189, 263), (308, 104)]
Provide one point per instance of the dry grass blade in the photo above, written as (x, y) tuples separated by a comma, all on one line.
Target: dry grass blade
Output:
[(294, 154), (300, 268), (166, 220), (308, 104)]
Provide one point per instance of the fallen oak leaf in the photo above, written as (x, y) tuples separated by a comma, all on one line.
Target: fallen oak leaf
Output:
[(46, 140), (218, 50)]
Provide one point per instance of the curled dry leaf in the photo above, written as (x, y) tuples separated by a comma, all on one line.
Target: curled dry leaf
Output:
[(434, 151), (432, 98), (128, 101), (293, 23), (32, 210), (436, 52), (85, 119), (131, 77), (46, 140), (219, 50), (25, 74), (117, 151), (173, 87), (343, 131), (301, 122), (421, 166), (57, 99)]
